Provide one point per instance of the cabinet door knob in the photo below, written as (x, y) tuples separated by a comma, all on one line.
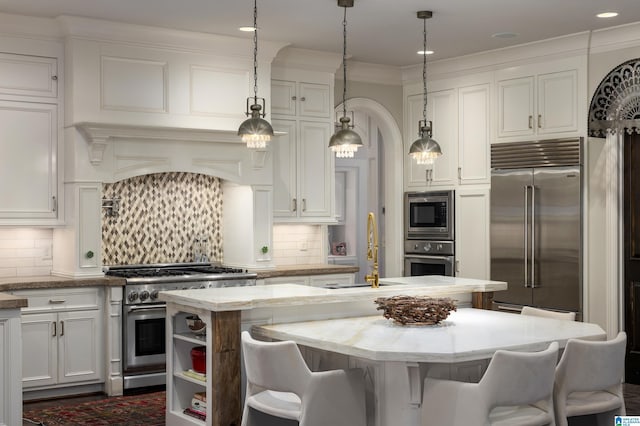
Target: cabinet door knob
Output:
[(303, 99), (539, 121), (293, 98), (531, 121), (89, 254)]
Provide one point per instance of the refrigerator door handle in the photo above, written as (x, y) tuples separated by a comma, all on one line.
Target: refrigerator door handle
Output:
[(533, 236), (526, 233)]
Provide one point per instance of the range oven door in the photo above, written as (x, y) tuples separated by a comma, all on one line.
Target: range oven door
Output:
[(144, 337), (416, 265)]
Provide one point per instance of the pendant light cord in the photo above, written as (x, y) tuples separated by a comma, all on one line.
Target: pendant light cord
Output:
[(424, 69), (344, 63), (255, 51)]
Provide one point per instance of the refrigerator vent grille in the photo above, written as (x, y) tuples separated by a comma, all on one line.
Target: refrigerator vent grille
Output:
[(556, 152)]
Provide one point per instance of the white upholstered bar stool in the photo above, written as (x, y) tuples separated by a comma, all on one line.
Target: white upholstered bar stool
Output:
[(280, 384), (537, 312), (589, 380), (516, 389)]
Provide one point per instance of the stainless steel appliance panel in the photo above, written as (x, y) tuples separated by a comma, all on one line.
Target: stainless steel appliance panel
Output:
[(557, 228), (417, 265), (510, 233), (429, 215)]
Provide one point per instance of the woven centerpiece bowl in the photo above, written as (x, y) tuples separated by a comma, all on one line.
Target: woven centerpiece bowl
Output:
[(416, 310)]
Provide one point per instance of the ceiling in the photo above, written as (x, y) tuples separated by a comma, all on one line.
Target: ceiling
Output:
[(379, 31)]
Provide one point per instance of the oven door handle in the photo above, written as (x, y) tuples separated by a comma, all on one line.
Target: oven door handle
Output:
[(146, 308)]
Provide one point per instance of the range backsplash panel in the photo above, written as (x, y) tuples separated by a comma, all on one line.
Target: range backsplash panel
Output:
[(159, 218)]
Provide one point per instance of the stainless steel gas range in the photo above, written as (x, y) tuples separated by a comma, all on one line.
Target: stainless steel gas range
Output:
[(143, 315)]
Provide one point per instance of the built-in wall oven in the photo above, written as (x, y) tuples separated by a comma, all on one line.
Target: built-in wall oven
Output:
[(429, 247), (144, 316)]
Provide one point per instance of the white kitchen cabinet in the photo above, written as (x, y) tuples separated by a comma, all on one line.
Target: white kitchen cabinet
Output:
[(442, 111), (29, 125), (472, 233), (322, 280), (303, 172), (544, 104), (62, 337), (461, 117), (29, 169), (300, 99), (10, 367), (474, 134)]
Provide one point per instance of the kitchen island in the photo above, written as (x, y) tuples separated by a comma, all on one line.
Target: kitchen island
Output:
[(398, 358), (228, 311)]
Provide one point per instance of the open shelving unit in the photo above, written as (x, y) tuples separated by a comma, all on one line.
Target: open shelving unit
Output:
[(221, 384)]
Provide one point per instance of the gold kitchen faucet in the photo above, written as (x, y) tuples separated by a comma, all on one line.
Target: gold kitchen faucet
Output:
[(372, 251)]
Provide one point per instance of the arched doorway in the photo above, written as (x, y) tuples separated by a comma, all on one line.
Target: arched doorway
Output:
[(614, 113), (390, 204)]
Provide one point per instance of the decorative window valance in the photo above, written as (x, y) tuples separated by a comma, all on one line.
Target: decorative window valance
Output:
[(615, 106)]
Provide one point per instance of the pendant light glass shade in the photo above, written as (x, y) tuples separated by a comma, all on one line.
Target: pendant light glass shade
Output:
[(425, 149), (255, 131), (345, 142)]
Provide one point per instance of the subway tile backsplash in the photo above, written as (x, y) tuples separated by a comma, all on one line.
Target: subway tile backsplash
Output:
[(159, 218), (297, 244), (25, 252)]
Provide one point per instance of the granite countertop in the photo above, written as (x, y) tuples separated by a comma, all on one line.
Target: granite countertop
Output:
[(277, 295), (51, 281), (8, 301), (310, 269), (466, 335)]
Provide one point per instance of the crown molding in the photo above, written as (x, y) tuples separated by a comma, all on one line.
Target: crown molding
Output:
[(372, 73), (190, 41), (549, 49), (615, 38), (305, 59)]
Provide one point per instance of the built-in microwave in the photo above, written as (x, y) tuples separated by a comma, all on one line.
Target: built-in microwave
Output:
[(429, 215)]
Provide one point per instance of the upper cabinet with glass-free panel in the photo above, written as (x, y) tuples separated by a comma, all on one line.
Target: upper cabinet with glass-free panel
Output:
[(541, 101)]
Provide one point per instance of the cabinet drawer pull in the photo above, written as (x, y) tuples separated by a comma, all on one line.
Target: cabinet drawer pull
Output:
[(295, 205), (55, 203), (61, 328), (539, 121), (54, 329), (304, 204), (56, 301), (531, 121)]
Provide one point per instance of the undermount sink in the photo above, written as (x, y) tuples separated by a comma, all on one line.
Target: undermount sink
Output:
[(337, 285)]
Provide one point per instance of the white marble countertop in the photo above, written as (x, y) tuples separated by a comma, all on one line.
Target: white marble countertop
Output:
[(277, 295), (466, 335)]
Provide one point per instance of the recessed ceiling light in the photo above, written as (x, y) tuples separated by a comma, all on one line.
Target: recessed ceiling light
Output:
[(422, 52), (247, 29), (607, 14), (504, 35)]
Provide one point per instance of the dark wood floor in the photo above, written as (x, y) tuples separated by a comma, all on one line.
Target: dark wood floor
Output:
[(631, 398)]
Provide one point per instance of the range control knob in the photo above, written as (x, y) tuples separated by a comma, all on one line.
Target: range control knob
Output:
[(427, 247), (144, 295), (133, 295), (439, 247), (154, 294), (416, 246)]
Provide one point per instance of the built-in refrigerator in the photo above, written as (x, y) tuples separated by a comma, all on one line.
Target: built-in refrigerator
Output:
[(536, 224)]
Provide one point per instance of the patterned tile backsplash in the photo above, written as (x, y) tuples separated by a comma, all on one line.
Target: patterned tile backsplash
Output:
[(160, 216)]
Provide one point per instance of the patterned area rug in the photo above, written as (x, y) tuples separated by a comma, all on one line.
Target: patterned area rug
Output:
[(136, 410)]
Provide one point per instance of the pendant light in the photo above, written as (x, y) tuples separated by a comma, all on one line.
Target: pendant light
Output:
[(345, 142), (255, 131), (424, 150)]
